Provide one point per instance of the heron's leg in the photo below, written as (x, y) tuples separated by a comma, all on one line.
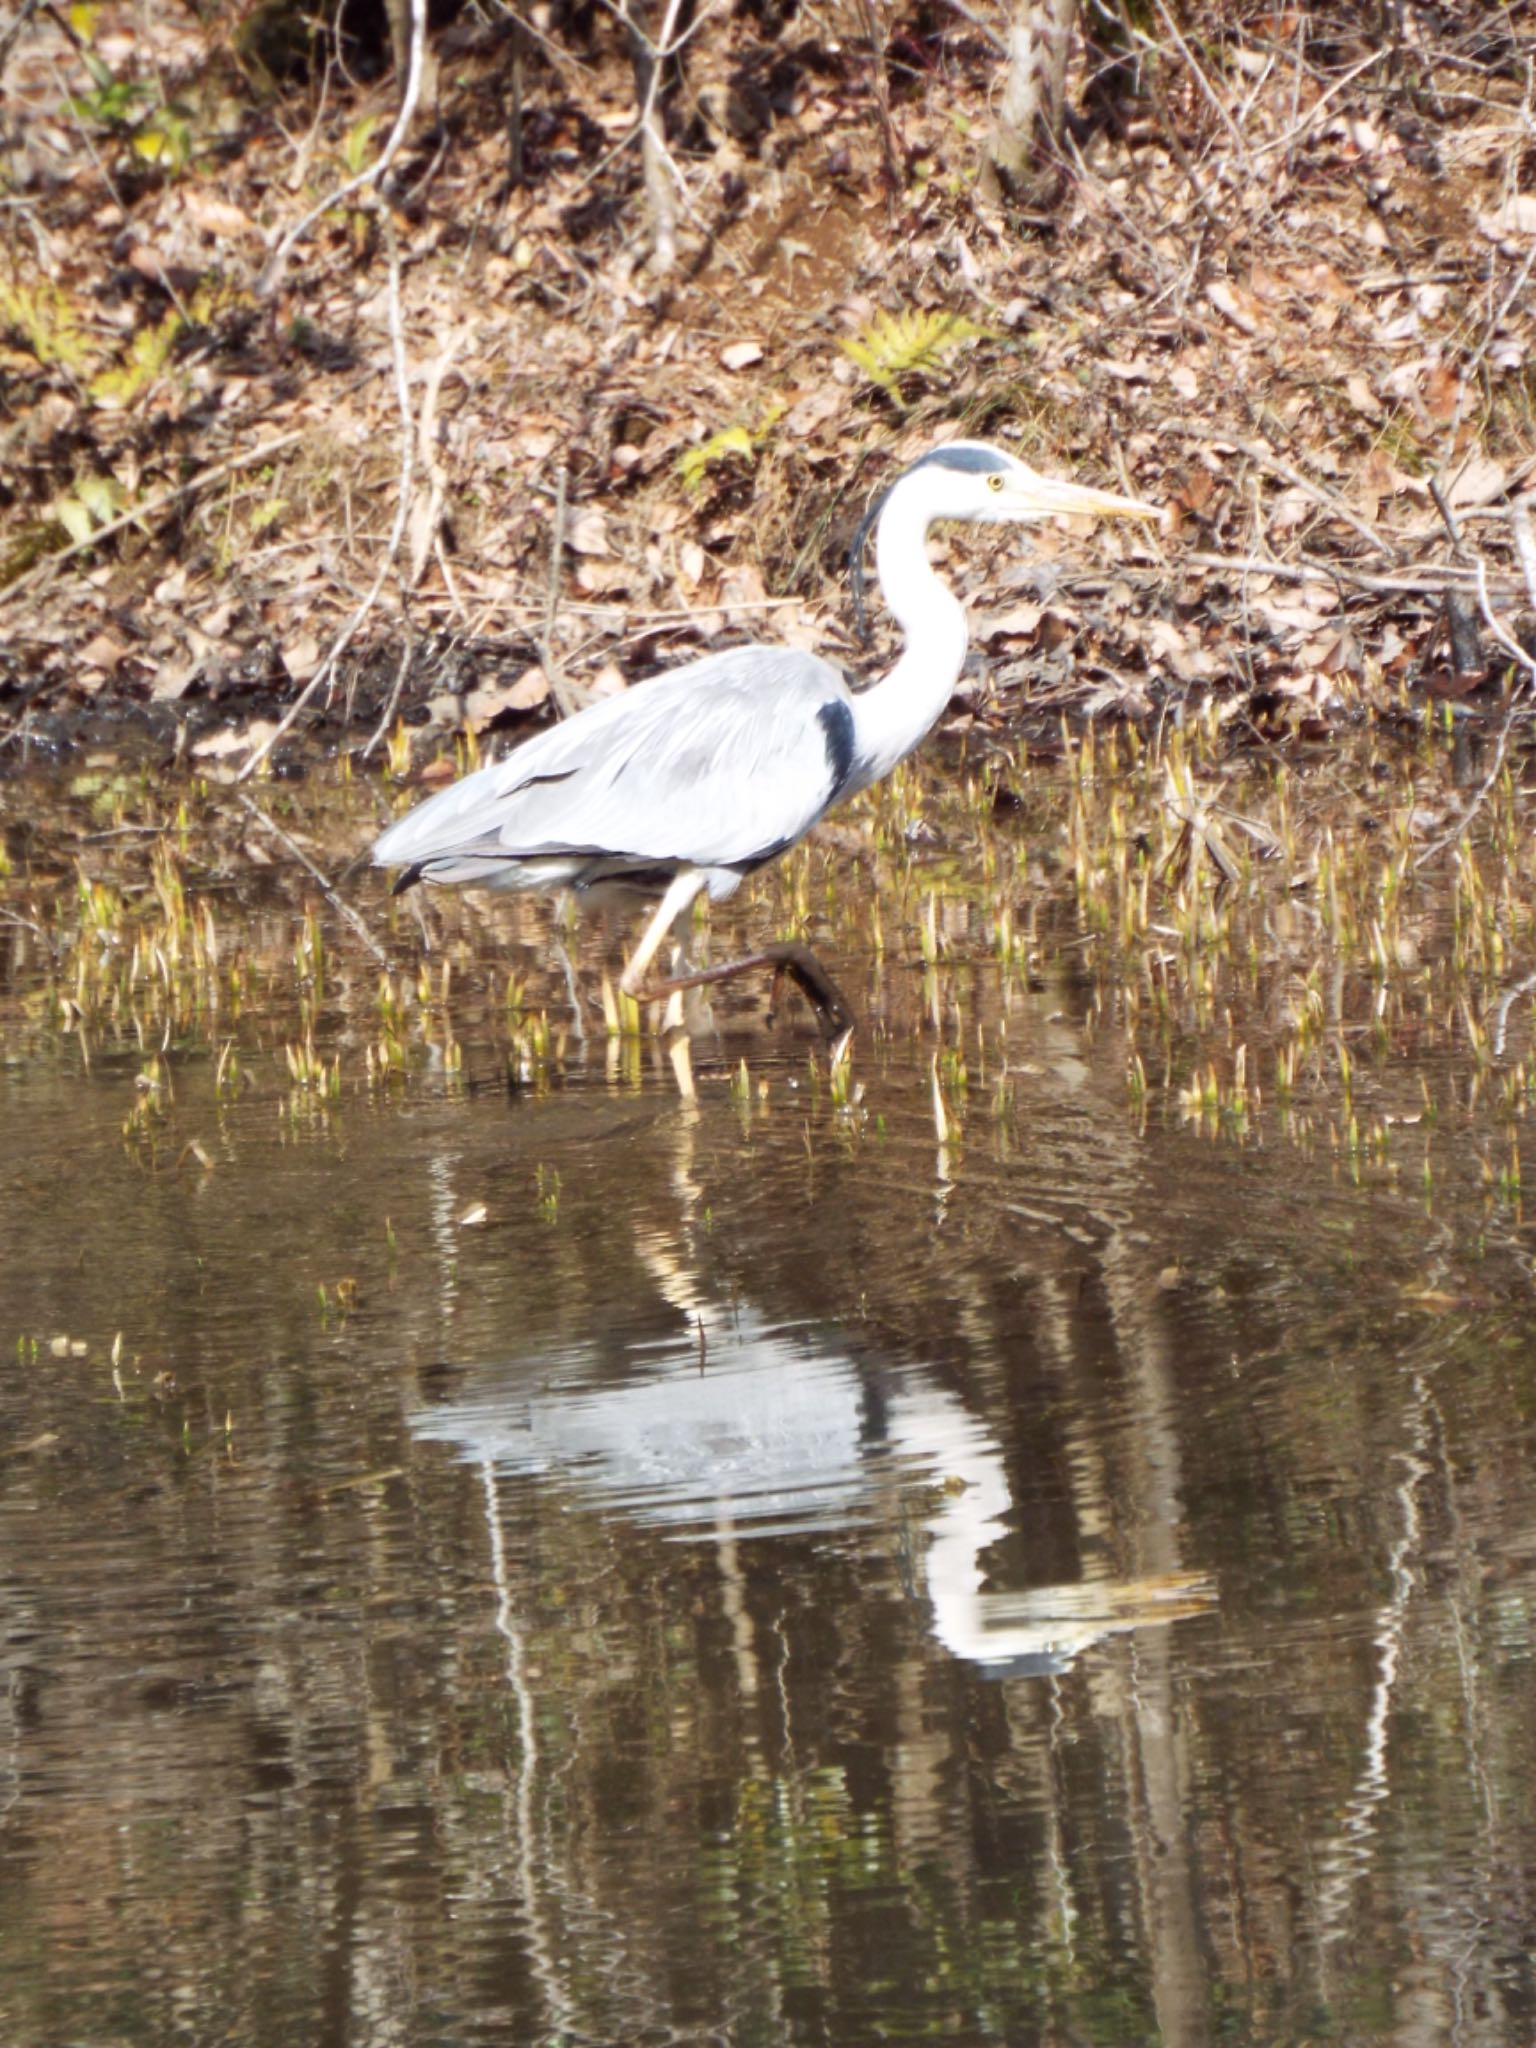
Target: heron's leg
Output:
[(834, 1013), (681, 892)]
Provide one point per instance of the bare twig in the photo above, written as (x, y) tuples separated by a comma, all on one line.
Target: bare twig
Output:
[(272, 270), (1480, 795), (1207, 91), (425, 532), (554, 668), (1427, 582), (1496, 626), (152, 507), (1255, 451), (1525, 543), (1447, 515), (1505, 1004), (1293, 134), (881, 87), (1519, 698), (981, 27), (67, 101), (325, 673), (24, 14), (402, 670), (654, 160), (337, 903)]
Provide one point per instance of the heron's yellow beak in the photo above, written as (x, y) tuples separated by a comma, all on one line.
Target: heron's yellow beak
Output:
[(1041, 497)]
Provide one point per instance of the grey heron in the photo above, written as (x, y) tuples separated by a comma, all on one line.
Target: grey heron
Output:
[(693, 779)]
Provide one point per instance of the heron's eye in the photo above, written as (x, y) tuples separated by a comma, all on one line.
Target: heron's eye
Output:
[(995, 480)]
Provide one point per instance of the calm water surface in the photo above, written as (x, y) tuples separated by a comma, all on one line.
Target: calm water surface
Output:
[(575, 1566)]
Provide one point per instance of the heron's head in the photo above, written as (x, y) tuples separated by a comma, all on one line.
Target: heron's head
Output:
[(972, 480)]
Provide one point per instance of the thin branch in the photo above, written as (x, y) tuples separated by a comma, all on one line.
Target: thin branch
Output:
[(1517, 701), (1255, 451), (554, 668), (1429, 581), (325, 673), (424, 537), (1207, 91), (156, 505), (1525, 543), (1481, 794), (982, 28), (272, 271), (336, 902), (1511, 646), (23, 15), (402, 669), (660, 52)]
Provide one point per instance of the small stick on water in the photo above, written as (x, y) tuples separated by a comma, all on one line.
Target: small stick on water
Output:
[(336, 902)]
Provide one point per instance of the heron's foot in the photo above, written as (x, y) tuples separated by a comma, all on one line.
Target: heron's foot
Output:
[(834, 1013)]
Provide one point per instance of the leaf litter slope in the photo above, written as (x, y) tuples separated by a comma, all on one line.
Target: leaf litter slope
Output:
[(1284, 290)]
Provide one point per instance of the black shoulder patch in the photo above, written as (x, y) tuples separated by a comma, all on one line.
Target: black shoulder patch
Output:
[(408, 878), (836, 720)]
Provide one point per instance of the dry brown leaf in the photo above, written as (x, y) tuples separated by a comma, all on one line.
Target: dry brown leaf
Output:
[(229, 739), (601, 579), (1020, 623), (213, 215), (1322, 281), (1481, 481), (487, 702), (1295, 615), (743, 585), (1517, 216), (1292, 508), (587, 533), (1357, 389), (103, 650), (1239, 306), (1377, 476), (172, 679), (1184, 381), (1441, 391), (301, 657), (813, 410), (1173, 648)]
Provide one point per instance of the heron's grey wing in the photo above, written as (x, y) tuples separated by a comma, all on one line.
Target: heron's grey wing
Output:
[(719, 764)]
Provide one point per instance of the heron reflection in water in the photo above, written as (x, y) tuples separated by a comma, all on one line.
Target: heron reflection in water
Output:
[(742, 1427), (690, 781)]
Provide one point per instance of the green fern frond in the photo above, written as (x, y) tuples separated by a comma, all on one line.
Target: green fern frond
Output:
[(44, 317), (909, 344), (696, 463)]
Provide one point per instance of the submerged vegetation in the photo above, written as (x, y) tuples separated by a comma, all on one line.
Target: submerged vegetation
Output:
[(1265, 946)]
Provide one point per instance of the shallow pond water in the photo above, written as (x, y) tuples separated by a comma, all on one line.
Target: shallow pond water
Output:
[(562, 1562)]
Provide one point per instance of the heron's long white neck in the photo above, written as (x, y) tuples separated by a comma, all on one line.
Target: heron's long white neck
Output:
[(891, 716)]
